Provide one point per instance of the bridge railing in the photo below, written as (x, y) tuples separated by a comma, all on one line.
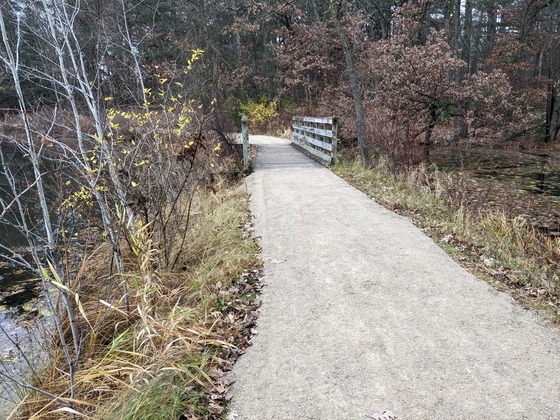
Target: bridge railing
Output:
[(316, 137)]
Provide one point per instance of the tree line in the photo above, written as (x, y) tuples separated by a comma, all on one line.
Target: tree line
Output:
[(315, 52)]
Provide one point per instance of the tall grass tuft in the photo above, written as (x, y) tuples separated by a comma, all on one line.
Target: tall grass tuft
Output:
[(156, 359)]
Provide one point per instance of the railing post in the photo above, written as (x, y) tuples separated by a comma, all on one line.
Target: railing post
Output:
[(245, 136), (334, 139)]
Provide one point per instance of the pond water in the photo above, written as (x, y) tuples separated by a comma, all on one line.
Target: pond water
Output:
[(21, 306), (21, 351), (521, 184), (17, 286), (24, 316)]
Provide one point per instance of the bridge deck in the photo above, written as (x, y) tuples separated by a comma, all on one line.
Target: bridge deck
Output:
[(363, 313)]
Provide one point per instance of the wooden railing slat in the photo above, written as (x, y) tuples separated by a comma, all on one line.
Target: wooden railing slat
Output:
[(316, 136), (322, 144), (320, 120), (317, 153)]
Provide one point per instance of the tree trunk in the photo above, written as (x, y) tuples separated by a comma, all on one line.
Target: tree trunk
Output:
[(460, 128), (467, 35), (457, 27), (553, 113), (367, 152), (475, 55), (226, 146), (431, 123), (490, 29)]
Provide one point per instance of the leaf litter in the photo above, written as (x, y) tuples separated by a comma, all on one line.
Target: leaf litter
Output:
[(235, 325)]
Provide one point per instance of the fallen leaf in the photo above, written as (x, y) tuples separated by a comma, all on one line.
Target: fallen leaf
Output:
[(384, 415)]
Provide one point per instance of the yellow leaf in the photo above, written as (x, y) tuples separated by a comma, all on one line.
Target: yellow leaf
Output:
[(55, 274), (112, 307), (81, 308), (134, 184)]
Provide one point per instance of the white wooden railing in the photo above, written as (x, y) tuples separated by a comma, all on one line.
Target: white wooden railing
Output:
[(316, 137)]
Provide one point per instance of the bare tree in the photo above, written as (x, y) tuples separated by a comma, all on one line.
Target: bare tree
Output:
[(42, 252), (367, 150)]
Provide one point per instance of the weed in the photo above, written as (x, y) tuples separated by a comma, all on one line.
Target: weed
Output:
[(161, 359)]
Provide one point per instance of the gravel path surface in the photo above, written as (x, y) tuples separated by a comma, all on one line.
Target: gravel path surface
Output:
[(363, 313)]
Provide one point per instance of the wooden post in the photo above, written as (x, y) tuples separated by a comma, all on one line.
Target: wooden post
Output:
[(334, 139), (245, 135)]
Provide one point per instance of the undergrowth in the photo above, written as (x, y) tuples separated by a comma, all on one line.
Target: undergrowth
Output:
[(506, 251), (169, 354)]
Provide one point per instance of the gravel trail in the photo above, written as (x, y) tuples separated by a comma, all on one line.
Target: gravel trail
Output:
[(364, 313)]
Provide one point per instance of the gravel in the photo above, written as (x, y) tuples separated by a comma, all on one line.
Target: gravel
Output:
[(363, 313)]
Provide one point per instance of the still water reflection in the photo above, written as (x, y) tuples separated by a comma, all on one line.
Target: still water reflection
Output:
[(519, 183)]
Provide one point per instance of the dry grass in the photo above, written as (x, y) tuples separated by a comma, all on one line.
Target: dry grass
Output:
[(508, 252), (158, 358)]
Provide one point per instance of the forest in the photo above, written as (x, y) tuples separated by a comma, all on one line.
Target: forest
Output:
[(487, 69), (117, 123)]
